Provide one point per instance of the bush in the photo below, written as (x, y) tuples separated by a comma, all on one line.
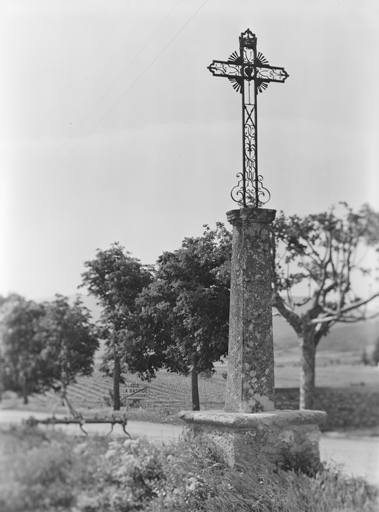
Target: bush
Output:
[(52, 472), (36, 471)]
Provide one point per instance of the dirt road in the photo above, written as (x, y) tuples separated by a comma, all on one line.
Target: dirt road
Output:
[(359, 455)]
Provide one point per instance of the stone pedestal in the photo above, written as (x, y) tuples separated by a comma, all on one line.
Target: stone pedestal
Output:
[(250, 430), (250, 384), (286, 438)]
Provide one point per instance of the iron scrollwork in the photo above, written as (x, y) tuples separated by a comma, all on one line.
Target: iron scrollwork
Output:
[(250, 73)]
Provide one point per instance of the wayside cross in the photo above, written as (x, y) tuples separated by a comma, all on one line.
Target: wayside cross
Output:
[(250, 73)]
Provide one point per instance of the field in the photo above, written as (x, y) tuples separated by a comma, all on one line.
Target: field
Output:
[(167, 390), (338, 366)]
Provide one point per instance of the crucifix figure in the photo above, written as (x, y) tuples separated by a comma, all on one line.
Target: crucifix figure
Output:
[(250, 73)]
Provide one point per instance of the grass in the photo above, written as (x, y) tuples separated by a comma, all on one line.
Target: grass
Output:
[(52, 472)]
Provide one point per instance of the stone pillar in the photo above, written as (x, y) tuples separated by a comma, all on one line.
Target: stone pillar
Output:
[(249, 429), (250, 383)]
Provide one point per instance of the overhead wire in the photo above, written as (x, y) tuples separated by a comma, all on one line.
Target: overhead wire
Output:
[(90, 58), (84, 67), (143, 72), (59, 165), (84, 119)]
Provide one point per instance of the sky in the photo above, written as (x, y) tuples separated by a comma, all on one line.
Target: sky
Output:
[(113, 129)]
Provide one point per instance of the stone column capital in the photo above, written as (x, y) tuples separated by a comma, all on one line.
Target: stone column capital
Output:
[(251, 215)]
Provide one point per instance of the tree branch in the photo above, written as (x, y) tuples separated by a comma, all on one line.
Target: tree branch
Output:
[(339, 315), (292, 318), (359, 303)]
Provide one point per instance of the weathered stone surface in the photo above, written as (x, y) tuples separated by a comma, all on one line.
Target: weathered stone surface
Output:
[(249, 430), (250, 385), (273, 437), (258, 420)]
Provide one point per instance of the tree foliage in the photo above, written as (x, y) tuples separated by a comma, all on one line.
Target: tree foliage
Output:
[(44, 345), (21, 347), (319, 257), (116, 279), (69, 339), (176, 314), (183, 315)]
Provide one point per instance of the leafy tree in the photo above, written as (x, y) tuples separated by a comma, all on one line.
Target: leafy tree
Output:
[(182, 321), (115, 278), (321, 255), (20, 347), (69, 340), (45, 344)]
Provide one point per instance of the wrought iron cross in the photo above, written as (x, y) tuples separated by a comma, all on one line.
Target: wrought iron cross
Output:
[(250, 73)]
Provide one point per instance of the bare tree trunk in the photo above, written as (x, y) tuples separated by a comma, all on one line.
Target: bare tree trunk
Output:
[(307, 371), (116, 379), (195, 383), (25, 392)]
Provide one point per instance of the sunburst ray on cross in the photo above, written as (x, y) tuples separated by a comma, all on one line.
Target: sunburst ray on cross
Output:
[(250, 73)]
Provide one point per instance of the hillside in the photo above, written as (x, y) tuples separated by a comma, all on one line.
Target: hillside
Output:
[(342, 337), (336, 353), (345, 340), (344, 344)]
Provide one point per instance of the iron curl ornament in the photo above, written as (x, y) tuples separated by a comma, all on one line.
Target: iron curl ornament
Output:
[(250, 74)]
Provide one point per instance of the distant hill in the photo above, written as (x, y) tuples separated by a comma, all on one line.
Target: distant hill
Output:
[(342, 337)]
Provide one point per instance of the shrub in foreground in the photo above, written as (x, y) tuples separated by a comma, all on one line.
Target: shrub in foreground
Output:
[(42, 471)]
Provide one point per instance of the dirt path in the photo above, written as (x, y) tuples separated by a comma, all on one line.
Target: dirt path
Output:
[(359, 455), (153, 431)]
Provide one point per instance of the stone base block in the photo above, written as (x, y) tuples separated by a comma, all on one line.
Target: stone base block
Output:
[(286, 438)]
